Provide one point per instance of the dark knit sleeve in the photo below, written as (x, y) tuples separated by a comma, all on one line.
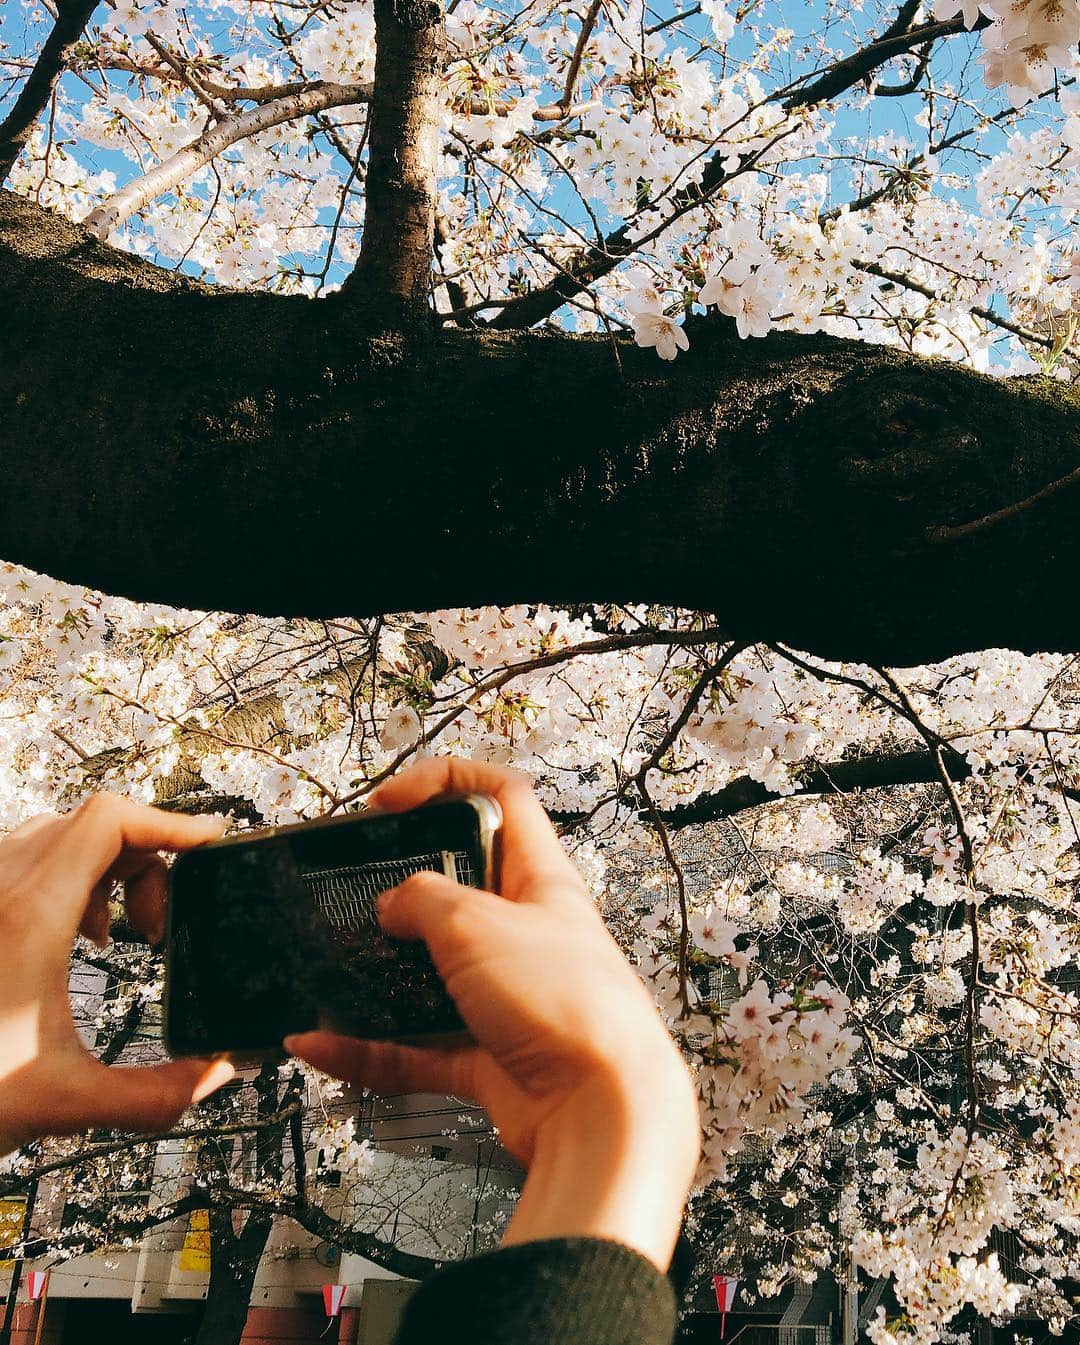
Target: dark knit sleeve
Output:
[(565, 1291)]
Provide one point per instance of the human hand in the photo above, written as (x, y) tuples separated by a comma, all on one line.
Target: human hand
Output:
[(56, 874), (570, 1058)]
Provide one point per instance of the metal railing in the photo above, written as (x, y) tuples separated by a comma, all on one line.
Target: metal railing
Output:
[(781, 1335)]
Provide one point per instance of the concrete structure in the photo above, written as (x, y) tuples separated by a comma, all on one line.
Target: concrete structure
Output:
[(153, 1292)]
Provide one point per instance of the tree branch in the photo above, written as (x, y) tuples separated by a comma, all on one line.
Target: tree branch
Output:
[(92, 1152), (15, 130), (577, 275), (596, 262), (987, 314), (961, 530), (119, 1231), (124, 1033), (802, 514), (870, 198), (184, 75), (316, 1220), (897, 41), (178, 167), (588, 23), (912, 83), (180, 71), (880, 771)]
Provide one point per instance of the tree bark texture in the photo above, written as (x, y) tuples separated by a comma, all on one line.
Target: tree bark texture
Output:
[(401, 183), (234, 1263), (259, 453)]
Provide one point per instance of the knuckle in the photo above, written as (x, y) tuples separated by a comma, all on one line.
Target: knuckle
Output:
[(425, 883), (458, 925), (97, 807)]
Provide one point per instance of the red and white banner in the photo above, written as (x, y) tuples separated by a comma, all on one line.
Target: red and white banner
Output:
[(725, 1286), (332, 1297), (35, 1283)]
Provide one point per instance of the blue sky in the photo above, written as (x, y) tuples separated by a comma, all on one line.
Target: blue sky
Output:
[(954, 61)]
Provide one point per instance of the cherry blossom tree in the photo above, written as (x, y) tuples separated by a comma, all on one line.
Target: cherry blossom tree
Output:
[(576, 411), (851, 887), (796, 204)]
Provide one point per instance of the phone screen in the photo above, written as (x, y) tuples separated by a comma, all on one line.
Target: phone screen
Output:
[(278, 933)]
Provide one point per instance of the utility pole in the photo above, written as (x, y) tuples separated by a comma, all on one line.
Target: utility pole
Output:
[(849, 1318)]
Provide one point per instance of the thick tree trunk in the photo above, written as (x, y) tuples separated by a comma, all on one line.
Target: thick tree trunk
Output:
[(401, 185), (234, 1262), (256, 453)]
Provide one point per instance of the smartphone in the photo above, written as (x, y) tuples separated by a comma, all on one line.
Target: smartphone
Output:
[(276, 932)]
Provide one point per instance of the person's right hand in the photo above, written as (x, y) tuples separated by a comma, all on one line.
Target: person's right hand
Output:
[(571, 1060)]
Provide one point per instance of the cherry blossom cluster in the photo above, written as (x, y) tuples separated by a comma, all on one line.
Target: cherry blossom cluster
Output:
[(962, 1187), (340, 1150), (756, 1052), (682, 146), (853, 997), (1025, 43)]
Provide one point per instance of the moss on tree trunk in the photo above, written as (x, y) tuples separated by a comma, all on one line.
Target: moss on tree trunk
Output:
[(258, 453)]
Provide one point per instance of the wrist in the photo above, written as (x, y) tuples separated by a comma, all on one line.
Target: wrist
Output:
[(615, 1161)]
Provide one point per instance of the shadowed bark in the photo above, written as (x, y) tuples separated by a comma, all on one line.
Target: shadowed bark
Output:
[(234, 1263), (259, 453)]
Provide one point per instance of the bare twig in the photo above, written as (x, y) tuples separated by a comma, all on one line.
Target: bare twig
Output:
[(987, 314), (587, 25), (958, 531)]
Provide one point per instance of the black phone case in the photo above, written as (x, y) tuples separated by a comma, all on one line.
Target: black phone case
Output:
[(280, 935)]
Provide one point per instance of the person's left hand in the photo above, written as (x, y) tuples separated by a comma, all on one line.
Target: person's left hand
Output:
[(56, 874)]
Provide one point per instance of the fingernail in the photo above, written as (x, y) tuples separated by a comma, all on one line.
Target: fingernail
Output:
[(292, 1041), (220, 1072), (384, 899), (371, 803)]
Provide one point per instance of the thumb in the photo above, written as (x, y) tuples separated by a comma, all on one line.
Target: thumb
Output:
[(387, 1067), (432, 907), (148, 1097)]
